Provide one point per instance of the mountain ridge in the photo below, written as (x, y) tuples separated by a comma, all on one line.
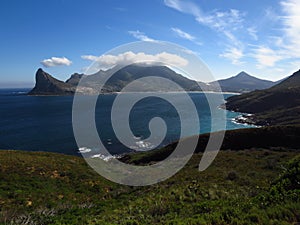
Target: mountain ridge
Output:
[(119, 78)]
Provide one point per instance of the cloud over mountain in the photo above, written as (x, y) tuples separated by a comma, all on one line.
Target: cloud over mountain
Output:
[(56, 61), (108, 61)]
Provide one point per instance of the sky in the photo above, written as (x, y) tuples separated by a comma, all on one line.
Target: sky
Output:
[(260, 37)]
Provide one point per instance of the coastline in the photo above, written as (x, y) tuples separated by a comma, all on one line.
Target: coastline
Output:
[(115, 93), (246, 119)]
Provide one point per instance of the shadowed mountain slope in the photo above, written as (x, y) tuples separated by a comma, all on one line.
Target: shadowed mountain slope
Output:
[(279, 104)]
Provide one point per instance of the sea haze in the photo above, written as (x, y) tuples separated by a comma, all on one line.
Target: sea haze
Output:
[(44, 123)]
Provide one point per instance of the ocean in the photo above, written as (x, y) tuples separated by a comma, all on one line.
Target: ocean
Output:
[(44, 123)]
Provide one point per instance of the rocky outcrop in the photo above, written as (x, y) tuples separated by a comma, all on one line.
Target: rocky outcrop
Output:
[(48, 85)]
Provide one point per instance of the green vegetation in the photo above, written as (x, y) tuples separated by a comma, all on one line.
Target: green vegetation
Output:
[(272, 137), (254, 186), (254, 180)]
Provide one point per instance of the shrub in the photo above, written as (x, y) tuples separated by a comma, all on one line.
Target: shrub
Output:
[(232, 175)]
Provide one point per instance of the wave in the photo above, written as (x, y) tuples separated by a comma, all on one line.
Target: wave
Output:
[(105, 157), (94, 153), (84, 150), (244, 120), (142, 146)]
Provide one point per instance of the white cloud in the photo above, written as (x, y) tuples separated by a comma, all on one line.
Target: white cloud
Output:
[(108, 61), (291, 30), (279, 48), (218, 20), (185, 35), (253, 33), (231, 20), (225, 23), (286, 46), (184, 6), (190, 52), (232, 40), (140, 36), (56, 61), (266, 57), (234, 55)]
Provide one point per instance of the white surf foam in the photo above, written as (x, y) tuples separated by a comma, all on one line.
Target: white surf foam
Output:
[(84, 150)]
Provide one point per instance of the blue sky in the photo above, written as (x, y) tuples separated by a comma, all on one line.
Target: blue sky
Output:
[(260, 37)]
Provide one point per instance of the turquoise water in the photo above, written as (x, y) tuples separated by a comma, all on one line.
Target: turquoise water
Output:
[(44, 123)]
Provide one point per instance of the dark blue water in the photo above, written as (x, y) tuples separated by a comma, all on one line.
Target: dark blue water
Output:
[(44, 123)]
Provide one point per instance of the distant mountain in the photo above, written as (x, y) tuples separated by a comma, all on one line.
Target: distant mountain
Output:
[(121, 77), (91, 84), (241, 83), (134, 72), (279, 104), (74, 79)]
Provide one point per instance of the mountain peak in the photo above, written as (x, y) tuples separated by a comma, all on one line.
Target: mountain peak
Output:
[(40, 70), (243, 74), (243, 82), (48, 85), (75, 78), (41, 76)]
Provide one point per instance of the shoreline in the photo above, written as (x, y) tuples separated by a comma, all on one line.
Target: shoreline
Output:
[(248, 118), (245, 119), (115, 93)]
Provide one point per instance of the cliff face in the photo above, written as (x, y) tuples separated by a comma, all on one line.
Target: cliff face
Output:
[(48, 85)]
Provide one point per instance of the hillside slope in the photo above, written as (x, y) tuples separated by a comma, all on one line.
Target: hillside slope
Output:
[(240, 187), (279, 104)]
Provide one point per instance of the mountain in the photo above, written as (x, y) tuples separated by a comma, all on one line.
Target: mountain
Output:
[(134, 72), (74, 79), (91, 84), (279, 104), (121, 77), (116, 79), (48, 85), (241, 83)]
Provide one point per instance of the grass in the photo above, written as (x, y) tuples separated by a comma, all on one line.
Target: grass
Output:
[(253, 186), (271, 137)]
